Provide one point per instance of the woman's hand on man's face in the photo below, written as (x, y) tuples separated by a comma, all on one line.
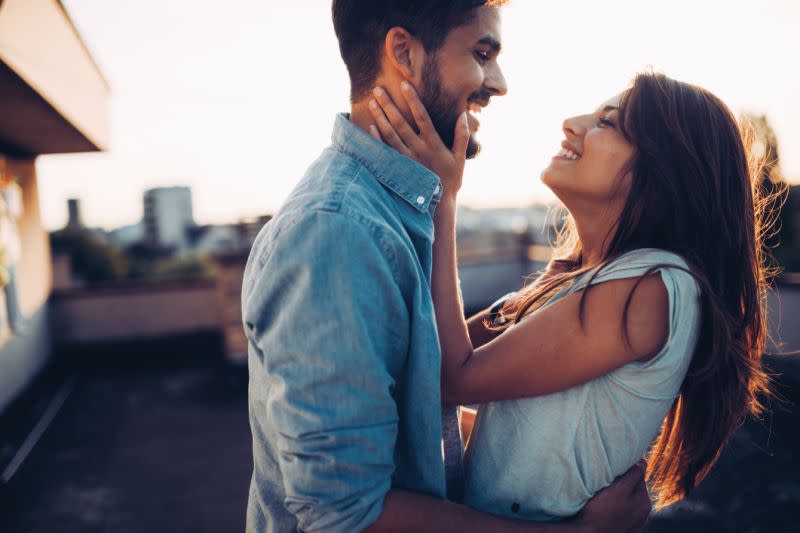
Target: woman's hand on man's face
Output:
[(425, 147)]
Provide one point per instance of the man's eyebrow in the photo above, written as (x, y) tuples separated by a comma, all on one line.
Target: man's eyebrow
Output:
[(492, 43)]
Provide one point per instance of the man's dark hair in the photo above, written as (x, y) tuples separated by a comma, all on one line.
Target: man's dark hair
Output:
[(361, 27)]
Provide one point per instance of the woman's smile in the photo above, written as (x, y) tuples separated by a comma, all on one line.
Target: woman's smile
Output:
[(568, 152)]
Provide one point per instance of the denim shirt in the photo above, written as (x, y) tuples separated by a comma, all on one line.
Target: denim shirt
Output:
[(344, 358)]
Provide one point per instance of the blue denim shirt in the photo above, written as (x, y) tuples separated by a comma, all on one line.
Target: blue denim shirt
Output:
[(344, 358)]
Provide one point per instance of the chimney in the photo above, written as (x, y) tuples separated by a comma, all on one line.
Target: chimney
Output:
[(74, 208)]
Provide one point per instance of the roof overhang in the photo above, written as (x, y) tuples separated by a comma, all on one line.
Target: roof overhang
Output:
[(53, 97)]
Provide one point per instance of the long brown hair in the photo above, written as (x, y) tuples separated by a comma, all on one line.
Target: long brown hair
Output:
[(693, 192)]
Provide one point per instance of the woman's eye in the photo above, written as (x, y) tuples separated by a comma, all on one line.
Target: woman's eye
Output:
[(606, 122)]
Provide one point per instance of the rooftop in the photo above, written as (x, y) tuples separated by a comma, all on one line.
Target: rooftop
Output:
[(161, 443)]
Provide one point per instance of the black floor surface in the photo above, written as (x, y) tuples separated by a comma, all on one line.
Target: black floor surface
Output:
[(165, 447), (162, 448)]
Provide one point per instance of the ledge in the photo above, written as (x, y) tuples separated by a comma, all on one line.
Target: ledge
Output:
[(53, 97)]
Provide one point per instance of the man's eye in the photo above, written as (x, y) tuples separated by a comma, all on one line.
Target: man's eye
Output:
[(482, 56)]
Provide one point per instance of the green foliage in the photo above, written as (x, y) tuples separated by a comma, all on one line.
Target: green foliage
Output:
[(173, 268), (782, 205), (92, 259), (96, 261)]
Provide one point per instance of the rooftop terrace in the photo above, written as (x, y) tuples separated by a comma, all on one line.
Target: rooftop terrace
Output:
[(161, 443)]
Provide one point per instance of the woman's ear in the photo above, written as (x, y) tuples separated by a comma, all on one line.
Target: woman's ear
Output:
[(405, 54)]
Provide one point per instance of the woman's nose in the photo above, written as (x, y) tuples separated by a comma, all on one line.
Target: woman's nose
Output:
[(572, 126)]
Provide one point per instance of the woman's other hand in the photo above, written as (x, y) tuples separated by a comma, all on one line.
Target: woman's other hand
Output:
[(425, 147)]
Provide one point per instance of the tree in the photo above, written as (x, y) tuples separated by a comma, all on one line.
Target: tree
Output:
[(781, 202), (92, 259)]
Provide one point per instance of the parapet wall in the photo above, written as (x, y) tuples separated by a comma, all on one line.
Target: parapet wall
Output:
[(135, 311)]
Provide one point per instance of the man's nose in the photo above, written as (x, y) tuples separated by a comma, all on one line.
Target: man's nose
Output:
[(496, 82)]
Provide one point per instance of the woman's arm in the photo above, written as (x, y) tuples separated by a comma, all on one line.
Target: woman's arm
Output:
[(479, 334), (555, 348), (549, 351)]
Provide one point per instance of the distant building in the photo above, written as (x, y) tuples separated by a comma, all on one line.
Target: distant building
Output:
[(250, 227), (214, 239), (507, 219), (126, 236), (54, 101), (226, 238), (168, 217)]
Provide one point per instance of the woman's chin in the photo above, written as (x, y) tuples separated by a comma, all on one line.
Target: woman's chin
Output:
[(552, 182), (549, 178)]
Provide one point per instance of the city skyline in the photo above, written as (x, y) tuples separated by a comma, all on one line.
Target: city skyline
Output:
[(214, 99)]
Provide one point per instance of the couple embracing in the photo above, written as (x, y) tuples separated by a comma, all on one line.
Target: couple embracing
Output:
[(634, 355)]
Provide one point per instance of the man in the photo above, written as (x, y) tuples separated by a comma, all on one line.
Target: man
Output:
[(344, 358)]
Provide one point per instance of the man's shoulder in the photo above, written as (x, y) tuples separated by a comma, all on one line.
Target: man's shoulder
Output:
[(344, 189)]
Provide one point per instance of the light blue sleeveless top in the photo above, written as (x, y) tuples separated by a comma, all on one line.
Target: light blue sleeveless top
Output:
[(542, 458)]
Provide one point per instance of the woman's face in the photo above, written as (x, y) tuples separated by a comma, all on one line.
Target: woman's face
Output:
[(588, 169)]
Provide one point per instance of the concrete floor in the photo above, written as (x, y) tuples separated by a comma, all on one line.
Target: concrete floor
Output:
[(166, 448), (159, 449)]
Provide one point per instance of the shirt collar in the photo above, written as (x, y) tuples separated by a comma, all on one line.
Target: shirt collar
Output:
[(405, 177)]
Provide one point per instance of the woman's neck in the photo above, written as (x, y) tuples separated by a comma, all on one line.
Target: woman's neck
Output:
[(595, 231)]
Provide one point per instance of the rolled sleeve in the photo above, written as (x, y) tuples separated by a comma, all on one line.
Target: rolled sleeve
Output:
[(330, 323)]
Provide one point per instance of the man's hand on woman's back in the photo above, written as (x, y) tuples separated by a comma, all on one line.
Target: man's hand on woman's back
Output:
[(623, 506)]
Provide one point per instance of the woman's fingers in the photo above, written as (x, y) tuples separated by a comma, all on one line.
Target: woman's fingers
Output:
[(386, 129), (373, 130), (401, 126), (421, 116), (461, 138)]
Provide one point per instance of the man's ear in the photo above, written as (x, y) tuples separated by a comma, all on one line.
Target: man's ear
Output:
[(404, 53)]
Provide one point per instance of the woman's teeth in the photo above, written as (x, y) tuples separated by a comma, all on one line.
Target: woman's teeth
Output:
[(474, 108), (568, 154)]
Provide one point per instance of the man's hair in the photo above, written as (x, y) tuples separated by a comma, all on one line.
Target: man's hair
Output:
[(361, 27)]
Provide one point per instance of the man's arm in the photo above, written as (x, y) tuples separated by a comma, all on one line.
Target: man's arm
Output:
[(623, 507), (329, 321)]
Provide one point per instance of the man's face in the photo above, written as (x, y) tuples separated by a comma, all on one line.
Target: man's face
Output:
[(463, 75)]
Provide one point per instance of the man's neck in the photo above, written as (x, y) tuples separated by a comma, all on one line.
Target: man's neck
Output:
[(360, 115)]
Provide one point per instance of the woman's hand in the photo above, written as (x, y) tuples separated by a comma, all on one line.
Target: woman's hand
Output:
[(425, 147)]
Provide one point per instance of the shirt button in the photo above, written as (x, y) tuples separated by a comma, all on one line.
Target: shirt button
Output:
[(437, 189), (420, 200)]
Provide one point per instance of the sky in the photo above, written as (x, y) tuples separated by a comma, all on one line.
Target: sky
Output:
[(235, 99)]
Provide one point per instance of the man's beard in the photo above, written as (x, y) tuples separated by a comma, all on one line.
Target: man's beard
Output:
[(444, 108)]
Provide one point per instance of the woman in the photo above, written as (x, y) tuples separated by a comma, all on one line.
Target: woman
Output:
[(645, 334)]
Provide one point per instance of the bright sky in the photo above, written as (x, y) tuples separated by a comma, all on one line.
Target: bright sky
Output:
[(236, 98)]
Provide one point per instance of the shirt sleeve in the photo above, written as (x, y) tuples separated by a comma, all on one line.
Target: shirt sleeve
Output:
[(330, 323)]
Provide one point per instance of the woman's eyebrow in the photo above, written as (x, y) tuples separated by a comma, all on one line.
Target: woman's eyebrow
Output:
[(610, 108)]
